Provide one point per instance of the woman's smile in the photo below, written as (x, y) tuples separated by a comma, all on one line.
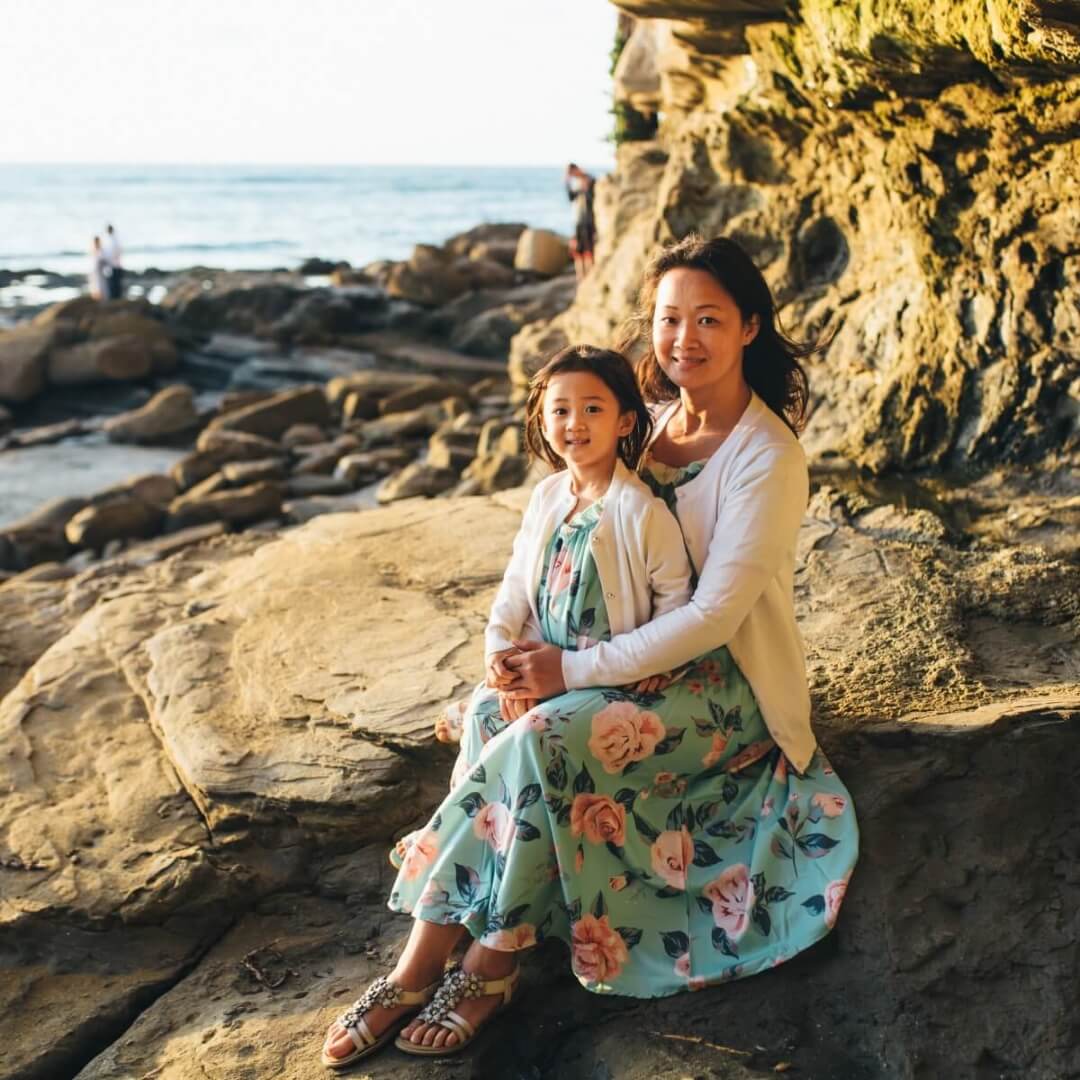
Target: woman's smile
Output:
[(698, 330)]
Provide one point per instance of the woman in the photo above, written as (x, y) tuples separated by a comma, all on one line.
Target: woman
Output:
[(680, 837)]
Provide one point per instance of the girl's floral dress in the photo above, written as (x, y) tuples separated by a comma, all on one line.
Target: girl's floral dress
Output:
[(662, 836)]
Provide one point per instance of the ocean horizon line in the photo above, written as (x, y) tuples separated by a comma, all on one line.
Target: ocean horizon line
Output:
[(486, 166)]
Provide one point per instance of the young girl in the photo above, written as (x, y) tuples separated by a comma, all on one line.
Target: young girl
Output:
[(597, 553)]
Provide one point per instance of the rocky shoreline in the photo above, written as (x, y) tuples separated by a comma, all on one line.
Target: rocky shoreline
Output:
[(291, 398)]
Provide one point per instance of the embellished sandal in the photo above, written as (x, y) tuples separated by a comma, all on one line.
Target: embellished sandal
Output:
[(381, 992), (457, 985)]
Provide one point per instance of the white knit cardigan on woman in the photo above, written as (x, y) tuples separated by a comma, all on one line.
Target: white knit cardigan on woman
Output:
[(740, 518)]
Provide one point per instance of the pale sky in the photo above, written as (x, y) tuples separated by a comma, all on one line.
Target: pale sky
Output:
[(307, 81)]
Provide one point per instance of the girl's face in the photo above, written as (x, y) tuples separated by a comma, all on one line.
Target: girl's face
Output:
[(698, 332), (581, 419)]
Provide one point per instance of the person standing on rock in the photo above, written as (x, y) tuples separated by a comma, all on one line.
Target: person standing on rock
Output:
[(95, 275), (579, 189), (114, 264), (691, 834)]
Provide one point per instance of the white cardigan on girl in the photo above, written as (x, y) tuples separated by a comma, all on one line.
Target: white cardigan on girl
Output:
[(740, 518), (638, 552)]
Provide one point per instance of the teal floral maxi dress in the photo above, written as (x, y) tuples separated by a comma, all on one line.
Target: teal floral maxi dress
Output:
[(661, 835)]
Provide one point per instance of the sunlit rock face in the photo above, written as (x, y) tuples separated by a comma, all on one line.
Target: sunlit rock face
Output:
[(908, 177)]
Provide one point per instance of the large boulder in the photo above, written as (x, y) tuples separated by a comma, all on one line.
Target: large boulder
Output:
[(419, 478), (488, 330), (235, 302), (429, 278), (105, 359), (271, 417), (482, 240), (115, 519), (168, 414), (24, 354), (39, 536), (235, 506), (541, 251), (134, 324)]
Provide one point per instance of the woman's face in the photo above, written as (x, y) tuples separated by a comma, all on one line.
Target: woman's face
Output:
[(698, 332)]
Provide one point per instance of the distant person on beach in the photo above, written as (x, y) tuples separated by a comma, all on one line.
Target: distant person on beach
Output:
[(95, 277), (579, 189), (114, 268)]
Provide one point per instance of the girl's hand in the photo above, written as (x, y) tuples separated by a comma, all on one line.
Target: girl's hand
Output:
[(511, 709), (497, 675), (538, 671)]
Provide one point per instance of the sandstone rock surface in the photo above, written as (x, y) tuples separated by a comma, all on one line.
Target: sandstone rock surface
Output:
[(242, 727)]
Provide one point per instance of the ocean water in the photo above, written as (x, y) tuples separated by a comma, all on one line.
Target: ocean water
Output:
[(259, 217)]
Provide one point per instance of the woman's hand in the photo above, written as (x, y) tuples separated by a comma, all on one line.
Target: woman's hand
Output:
[(652, 684), (655, 683), (537, 669), (497, 675), (511, 709)]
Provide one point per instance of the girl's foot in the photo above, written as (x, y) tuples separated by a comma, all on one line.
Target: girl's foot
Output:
[(370, 1022), (420, 964), (450, 723), (401, 849), (486, 963)]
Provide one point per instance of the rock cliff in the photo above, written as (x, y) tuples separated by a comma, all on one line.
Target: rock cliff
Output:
[(906, 175)]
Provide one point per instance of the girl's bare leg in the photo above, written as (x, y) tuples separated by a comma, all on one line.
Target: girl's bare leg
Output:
[(420, 964), (489, 964)]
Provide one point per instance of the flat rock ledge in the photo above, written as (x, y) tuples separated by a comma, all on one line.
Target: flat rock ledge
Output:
[(205, 758)]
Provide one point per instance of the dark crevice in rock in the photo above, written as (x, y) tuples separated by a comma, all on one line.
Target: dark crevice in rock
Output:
[(67, 1058)]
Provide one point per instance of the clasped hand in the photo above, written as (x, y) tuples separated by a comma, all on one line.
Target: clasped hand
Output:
[(531, 672)]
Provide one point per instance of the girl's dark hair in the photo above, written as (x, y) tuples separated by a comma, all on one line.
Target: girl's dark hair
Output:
[(616, 373), (770, 362)]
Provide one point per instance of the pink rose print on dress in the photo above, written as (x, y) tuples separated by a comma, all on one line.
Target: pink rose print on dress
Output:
[(618, 883), (767, 806), (682, 966), (672, 852), (599, 952), (732, 896), (433, 895), (713, 754), (622, 733), (561, 573), (420, 855), (519, 937), (599, 818), (494, 824), (829, 805), (535, 720), (834, 897)]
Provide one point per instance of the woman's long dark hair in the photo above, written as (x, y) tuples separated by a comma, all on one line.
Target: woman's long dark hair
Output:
[(616, 373), (770, 362)]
